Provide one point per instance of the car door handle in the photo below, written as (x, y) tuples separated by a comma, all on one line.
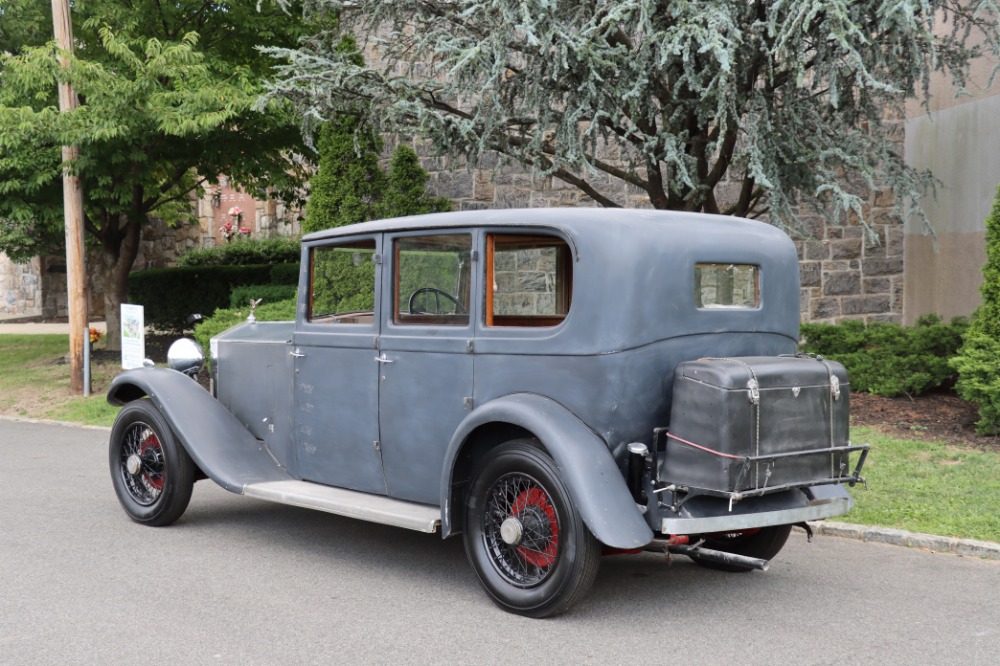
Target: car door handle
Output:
[(382, 358), (296, 353)]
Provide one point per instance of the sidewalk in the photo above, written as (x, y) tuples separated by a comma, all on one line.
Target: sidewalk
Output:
[(19, 325)]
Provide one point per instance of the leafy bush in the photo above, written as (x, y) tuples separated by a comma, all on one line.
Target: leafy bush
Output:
[(248, 252), (889, 359), (169, 295), (978, 362), (268, 293), (227, 318)]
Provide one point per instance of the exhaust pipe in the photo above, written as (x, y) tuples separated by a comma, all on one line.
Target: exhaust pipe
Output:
[(678, 545)]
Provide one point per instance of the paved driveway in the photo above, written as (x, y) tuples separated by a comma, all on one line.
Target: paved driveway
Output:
[(238, 581)]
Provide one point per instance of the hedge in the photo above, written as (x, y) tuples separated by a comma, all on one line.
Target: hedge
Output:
[(267, 293), (889, 359), (246, 252), (169, 295)]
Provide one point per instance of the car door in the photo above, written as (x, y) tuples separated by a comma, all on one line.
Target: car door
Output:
[(336, 371), (425, 347)]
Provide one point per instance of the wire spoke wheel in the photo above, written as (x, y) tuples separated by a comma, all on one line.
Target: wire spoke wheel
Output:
[(151, 472), (141, 451), (523, 535), (521, 503)]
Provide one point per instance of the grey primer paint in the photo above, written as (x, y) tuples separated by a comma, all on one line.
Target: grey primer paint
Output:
[(399, 410)]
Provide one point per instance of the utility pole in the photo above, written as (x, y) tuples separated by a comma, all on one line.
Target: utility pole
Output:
[(76, 283)]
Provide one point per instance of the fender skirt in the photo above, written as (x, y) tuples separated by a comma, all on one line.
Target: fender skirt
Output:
[(216, 441), (597, 486)]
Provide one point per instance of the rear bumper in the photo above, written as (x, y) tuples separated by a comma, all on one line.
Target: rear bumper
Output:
[(703, 515)]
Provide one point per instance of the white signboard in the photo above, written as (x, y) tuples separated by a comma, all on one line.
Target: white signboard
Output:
[(133, 336)]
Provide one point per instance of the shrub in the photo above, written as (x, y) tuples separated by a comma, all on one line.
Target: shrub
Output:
[(251, 251), (227, 318), (169, 295), (889, 359), (267, 293), (978, 362)]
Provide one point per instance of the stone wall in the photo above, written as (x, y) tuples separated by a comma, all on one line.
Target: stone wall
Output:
[(20, 288), (846, 273)]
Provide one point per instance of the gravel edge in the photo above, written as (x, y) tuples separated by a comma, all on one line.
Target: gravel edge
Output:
[(986, 550)]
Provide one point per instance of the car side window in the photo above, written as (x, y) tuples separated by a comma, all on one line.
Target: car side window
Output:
[(529, 280), (342, 283), (431, 279)]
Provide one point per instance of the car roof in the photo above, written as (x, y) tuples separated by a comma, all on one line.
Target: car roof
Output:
[(636, 279), (571, 220)]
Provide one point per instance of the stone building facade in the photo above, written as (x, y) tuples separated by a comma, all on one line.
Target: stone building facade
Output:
[(845, 272), (38, 287)]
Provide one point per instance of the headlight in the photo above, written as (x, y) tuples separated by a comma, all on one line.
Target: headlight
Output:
[(186, 356)]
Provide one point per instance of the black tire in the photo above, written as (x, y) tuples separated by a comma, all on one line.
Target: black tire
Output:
[(158, 488), (548, 559), (764, 544)]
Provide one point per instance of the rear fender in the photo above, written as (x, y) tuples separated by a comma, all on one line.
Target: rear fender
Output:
[(217, 442), (597, 486)]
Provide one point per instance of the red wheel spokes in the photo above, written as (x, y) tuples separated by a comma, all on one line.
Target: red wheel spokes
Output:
[(535, 498), (151, 443)]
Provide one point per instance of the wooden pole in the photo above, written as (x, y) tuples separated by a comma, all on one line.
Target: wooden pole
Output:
[(76, 283)]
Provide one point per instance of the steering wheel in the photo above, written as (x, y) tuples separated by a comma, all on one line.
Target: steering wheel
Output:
[(438, 294)]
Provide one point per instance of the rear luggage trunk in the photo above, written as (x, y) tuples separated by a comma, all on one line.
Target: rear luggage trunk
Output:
[(753, 425)]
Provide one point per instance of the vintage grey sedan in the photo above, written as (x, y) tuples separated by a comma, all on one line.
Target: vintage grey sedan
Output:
[(553, 385)]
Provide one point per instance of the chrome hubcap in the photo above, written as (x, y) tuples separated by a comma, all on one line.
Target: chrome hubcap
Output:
[(511, 531), (133, 464)]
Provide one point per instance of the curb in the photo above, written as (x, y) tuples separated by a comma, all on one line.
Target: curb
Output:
[(65, 424), (986, 550)]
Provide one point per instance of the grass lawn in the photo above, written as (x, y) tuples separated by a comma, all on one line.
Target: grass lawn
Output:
[(912, 485), (34, 381), (928, 487)]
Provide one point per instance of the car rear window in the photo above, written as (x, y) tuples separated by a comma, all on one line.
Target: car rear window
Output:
[(728, 286)]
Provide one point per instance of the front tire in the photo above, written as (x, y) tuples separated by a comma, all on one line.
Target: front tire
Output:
[(152, 474), (525, 539)]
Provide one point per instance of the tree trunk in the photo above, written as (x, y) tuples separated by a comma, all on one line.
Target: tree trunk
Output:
[(116, 262)]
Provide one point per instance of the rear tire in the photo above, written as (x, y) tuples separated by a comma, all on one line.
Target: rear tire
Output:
[(152, 474), (525, 539), (763, 544)]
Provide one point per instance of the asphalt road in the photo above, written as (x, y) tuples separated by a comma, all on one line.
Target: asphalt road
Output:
[(240, 581)]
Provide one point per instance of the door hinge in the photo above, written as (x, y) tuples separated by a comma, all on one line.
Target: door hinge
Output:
[(468, 403), (475, 255), (377, 258), (469, 345), (377, 446)]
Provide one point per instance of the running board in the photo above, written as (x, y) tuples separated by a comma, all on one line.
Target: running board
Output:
[(350, 503)]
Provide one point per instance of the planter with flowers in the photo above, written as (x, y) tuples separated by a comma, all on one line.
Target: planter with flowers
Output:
[(232, 228)]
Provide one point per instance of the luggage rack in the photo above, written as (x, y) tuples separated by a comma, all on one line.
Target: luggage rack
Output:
[(681, 493)]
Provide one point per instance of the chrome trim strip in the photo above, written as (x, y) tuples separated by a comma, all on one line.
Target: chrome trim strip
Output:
[(350, 503)]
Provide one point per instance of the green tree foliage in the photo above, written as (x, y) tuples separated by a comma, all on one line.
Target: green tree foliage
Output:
[(889, 359), (167, 93), (351, 187), (349, 183), (978, 363), (723, 106)]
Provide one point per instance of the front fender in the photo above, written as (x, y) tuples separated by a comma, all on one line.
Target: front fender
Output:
[(216, 441), (587, 467)]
